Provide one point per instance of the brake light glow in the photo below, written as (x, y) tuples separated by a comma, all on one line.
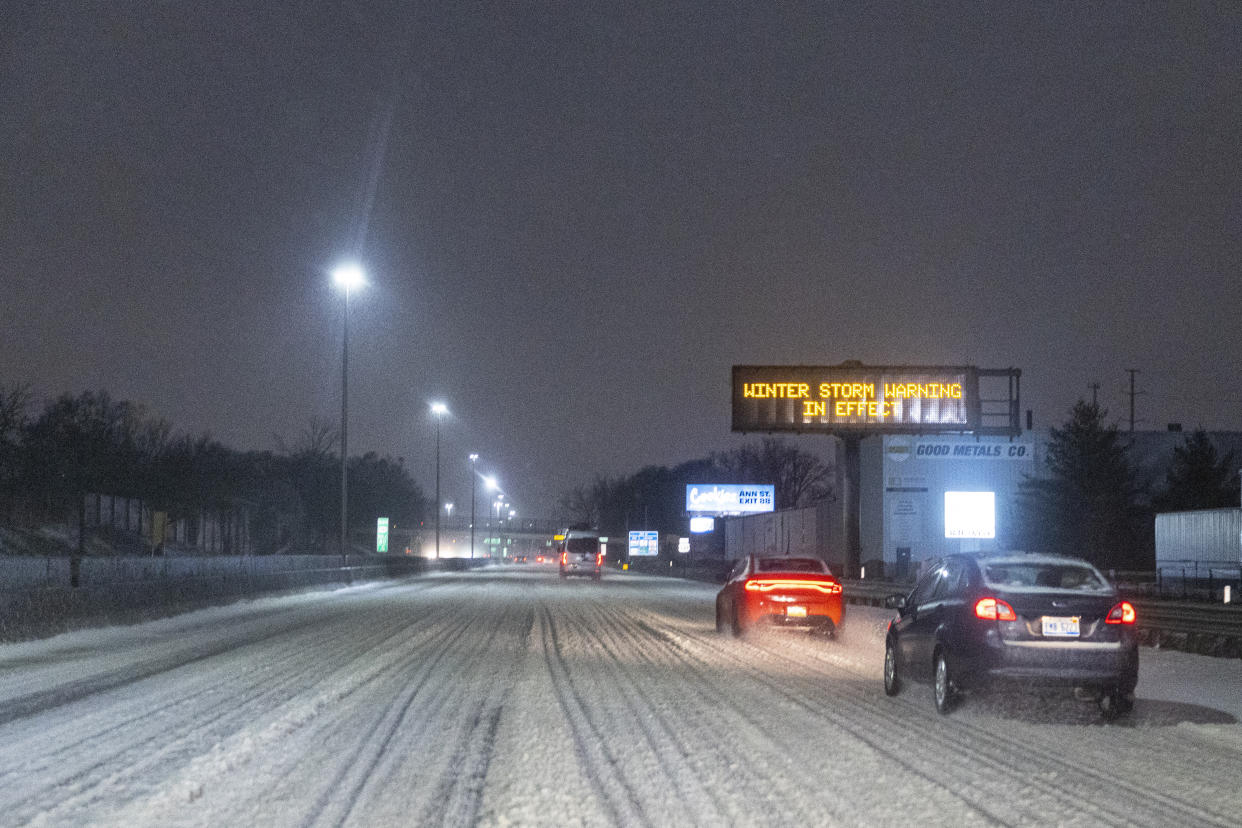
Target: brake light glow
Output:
[(770, 584), (564, 558), (1123, 613), (993, 609), (599, 559)]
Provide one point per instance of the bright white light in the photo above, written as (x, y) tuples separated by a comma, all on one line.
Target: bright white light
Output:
[(702, 524), (448, 507), (473, 457), (439, 409), (970, 514), (490, 483), (349, 276)]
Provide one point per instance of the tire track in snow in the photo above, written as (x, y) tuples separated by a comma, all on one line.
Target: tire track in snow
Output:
[(450, 792), (632, 646), (695, 804), (466, 796), (372, 741), (762, 730), (1005, 759), (603, 771), (119, 774)]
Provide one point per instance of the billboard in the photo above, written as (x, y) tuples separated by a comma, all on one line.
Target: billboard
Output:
[(864, 398), (729, 498), (644, 543)]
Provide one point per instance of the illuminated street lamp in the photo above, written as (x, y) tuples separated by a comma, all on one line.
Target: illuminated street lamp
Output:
[(348, 277), (439, 409), (474, 481)]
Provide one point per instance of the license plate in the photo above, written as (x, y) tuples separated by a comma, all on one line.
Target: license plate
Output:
[(795, 612), (1061, 627)]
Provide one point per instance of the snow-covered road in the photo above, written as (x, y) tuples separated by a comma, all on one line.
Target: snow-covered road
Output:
[(508, 696)]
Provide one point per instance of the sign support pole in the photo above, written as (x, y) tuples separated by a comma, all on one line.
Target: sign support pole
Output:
[(852, 504)]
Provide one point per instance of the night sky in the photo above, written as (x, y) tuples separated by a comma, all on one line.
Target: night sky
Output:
[(575, 217)]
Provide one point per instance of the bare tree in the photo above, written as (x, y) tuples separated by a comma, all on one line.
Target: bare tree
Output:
[(579, 505), (14, 408), (318, 439), (800, 477)]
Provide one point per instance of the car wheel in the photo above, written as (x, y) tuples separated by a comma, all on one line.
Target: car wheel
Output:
[(892, 683), (943, 692), (735, 623), (1114, 704)]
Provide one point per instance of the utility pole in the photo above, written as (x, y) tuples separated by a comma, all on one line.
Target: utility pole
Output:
[(1095, 387), (1132, 372)]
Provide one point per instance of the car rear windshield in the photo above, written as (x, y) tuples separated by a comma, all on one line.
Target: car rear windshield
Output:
[(1043, 575), (792, 565), (582, 546)]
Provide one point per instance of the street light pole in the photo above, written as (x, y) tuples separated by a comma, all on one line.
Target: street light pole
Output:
[(474, 484), (347, 276), (438, 409), (345, 436)]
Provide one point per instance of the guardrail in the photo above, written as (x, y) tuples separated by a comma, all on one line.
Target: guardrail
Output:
[(1207, 629)]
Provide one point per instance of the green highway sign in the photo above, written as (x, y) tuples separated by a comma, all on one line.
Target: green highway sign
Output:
[(381, 535)]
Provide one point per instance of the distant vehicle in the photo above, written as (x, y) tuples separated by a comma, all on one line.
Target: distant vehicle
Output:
[(781, 592), (980, 622), (580, 554)]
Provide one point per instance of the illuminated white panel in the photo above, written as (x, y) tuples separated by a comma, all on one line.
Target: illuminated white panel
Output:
[(970, 514), (698, 525)]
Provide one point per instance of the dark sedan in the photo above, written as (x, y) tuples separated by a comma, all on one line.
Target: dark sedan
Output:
[(980, 622)]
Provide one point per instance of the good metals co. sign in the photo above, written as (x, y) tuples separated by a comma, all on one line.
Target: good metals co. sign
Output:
[(856, 398)]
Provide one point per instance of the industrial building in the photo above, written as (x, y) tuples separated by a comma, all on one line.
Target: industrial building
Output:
[(921, 497)]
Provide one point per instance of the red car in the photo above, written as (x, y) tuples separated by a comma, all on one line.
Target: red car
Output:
[(783, 592)]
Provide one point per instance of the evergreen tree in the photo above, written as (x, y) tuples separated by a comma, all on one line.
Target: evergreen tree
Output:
[(1199, 478), (1088, 504)]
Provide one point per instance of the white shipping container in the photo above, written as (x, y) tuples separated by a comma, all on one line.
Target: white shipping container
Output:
[(1211, 536)]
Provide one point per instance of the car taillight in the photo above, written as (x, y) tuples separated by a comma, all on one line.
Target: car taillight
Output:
[(770, 584), (564, 558), (993, 609), (1123, 613), (599, 559)]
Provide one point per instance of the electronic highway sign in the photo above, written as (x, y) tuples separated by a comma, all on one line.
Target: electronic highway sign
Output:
[(857, 398)]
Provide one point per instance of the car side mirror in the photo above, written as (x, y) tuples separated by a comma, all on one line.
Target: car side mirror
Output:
[(897, 602)]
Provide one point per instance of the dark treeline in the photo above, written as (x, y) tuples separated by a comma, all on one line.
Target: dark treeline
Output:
[(655, 496), (1093, 502), (92, 444)]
